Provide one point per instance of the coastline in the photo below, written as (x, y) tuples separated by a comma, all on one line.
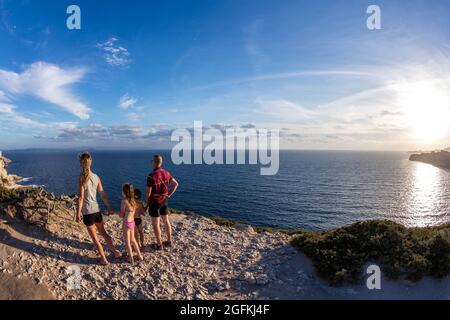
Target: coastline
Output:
[(233, 260), (439, 159)]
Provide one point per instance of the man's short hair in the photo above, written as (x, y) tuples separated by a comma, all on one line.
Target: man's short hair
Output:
[(158, 159)]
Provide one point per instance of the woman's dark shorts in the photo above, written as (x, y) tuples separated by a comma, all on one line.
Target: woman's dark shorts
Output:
[(138, 221), (91, 219)]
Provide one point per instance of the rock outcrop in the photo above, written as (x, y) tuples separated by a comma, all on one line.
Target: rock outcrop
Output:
[(39, 207), (8, 181), (440, 159)]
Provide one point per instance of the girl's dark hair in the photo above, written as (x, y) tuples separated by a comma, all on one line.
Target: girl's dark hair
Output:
[(128, 191), (137, 194)]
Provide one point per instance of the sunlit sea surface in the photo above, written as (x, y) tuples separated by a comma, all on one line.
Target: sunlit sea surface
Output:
[(313, 190)]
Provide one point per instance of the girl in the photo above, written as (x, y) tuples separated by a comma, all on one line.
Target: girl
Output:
[(127, 211), (138, 219), (89, 210)]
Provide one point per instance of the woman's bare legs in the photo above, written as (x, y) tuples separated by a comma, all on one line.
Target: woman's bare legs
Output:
[(101, 229), (92, 230)]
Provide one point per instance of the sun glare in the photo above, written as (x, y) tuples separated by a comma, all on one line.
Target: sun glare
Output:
[(427, 109)]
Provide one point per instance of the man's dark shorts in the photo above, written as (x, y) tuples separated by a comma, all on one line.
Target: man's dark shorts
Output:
[(159, 209), (90, 219)]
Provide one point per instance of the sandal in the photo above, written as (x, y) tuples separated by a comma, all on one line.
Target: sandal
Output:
[(168, 244), (157, 247)]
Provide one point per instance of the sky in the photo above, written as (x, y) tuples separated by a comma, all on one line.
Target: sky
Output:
[(137, 70)]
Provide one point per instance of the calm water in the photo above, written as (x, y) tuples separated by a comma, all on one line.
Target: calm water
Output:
[(313, 190)]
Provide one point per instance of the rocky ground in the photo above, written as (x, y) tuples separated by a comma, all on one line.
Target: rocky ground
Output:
[(208, 262)]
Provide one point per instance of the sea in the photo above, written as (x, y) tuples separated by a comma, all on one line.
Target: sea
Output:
[(313, 190)]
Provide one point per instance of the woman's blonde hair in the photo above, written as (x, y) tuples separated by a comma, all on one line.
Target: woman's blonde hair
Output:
[(128, 191), (85, 161)]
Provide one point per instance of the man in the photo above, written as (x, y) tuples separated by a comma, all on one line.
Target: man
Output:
[(158, 195)]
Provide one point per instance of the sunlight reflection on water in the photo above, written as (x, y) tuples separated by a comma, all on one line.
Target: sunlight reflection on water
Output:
[(427, 189)]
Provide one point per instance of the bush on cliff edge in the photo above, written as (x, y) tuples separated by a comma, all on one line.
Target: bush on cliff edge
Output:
[(7, 194), (339, 255)]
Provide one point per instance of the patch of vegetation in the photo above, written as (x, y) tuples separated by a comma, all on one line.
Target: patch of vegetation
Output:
[(7, 194), (181, 212), (231, 223), (223, 222), (339, 255), (264, 229)]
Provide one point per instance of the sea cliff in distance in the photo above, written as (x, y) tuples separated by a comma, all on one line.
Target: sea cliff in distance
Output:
[(440, 159)]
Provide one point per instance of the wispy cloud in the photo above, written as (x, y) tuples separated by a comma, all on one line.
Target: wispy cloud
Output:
[(115, 54), (49, 83), (126, 101), (288, 75), (4, 17), (251, 47), (8, 113)]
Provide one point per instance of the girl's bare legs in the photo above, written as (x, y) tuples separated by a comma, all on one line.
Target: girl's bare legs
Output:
[(135, 245), (127, 238), (92, 230), (108, 239)]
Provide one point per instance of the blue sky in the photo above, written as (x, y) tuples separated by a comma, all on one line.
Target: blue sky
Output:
[(139, 69)]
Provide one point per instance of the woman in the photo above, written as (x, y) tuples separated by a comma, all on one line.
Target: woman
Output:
[(89, 210)]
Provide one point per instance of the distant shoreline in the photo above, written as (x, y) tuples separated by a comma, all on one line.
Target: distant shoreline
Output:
[(439, 159), (169, 149)]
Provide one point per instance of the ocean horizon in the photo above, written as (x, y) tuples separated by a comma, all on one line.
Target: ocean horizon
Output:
[(313, 190)]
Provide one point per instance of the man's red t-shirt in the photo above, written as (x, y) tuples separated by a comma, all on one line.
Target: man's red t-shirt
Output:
[(159, 181)]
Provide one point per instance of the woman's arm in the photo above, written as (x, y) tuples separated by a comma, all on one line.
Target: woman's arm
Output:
[(78, 217), (104, 196)]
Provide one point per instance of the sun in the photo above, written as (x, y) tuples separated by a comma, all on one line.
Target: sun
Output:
[(426, 106)]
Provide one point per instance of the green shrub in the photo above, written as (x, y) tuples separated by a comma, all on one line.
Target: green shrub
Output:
[(340, 254), (7, 194), (223, 222)]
